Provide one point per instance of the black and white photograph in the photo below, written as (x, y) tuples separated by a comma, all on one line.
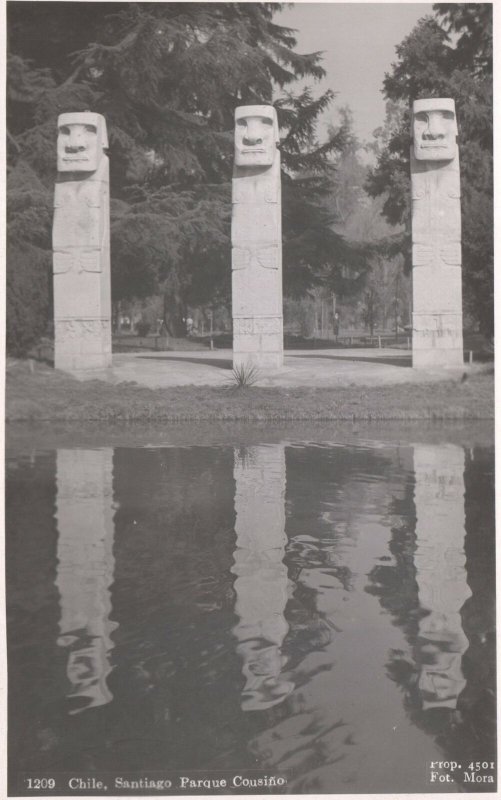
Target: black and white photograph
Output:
[(249, 399)]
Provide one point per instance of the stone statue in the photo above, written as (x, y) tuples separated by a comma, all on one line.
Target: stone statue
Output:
[(81, 245), (437, 318), (256, 237)]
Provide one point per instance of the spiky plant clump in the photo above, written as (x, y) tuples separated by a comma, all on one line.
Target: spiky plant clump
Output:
[(244, 375)]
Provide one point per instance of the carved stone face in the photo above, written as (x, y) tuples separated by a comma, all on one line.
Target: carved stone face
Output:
[(80, 141), (434, 129), (256, 136)]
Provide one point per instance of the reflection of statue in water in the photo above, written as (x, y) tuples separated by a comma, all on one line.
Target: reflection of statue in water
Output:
[(440, 572), (261, 582), (85, 571)]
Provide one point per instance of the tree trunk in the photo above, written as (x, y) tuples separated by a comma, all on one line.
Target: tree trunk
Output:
[(115, 316), (174, 314), (397, 286)]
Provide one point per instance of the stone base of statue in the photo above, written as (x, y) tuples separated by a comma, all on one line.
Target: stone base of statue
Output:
[(437, 340), (82, 345), (258, 341)]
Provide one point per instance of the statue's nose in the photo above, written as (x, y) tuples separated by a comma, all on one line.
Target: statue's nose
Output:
[(434, 129), (253, 133), (248, 139), (76, 142)]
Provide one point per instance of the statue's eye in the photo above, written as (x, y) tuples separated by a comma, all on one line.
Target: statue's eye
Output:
[(448, 114), (64, 130), (266, 121), (91, 128), (421, 116), (242, 123)]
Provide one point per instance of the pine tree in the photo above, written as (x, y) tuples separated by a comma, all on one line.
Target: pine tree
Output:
[(167, 77)]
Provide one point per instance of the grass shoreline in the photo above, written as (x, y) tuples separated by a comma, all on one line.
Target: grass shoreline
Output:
[(46, 395)]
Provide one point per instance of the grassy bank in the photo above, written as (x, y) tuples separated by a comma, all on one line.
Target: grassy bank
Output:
[(44, 394)]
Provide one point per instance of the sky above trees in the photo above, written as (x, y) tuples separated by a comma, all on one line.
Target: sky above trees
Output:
[(358, 40)]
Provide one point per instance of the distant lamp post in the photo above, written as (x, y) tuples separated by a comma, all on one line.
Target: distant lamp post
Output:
[(211, 319)]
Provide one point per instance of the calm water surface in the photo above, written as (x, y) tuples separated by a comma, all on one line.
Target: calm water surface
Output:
[(318, 611)]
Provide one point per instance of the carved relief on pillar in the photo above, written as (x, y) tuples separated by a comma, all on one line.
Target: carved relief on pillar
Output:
[(77, 262), (243, 325), (438, 325), (72, 329), (268, 325), (435, 255), (436, 215), (266, 257), (249, 191), (256, 325), (78, 219)]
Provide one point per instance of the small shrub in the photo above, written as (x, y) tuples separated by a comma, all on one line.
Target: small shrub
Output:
[(243, 375)]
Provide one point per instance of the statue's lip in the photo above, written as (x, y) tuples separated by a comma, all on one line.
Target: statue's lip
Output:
[(253, 150), (443, 146), (75, 158)]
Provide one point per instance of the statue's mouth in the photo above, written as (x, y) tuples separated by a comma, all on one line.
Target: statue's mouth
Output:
[(434, 146), (75, 158), (253, 150)]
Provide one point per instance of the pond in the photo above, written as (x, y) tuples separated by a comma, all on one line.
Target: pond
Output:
[(294, 611)]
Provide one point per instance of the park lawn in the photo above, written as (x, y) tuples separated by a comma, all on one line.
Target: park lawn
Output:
[(46, 394)]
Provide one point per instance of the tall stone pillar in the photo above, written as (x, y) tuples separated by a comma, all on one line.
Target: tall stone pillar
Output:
[(256, 236), (261, 575), (81, 244), (85, 571), (440, 564), (437, 319)]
